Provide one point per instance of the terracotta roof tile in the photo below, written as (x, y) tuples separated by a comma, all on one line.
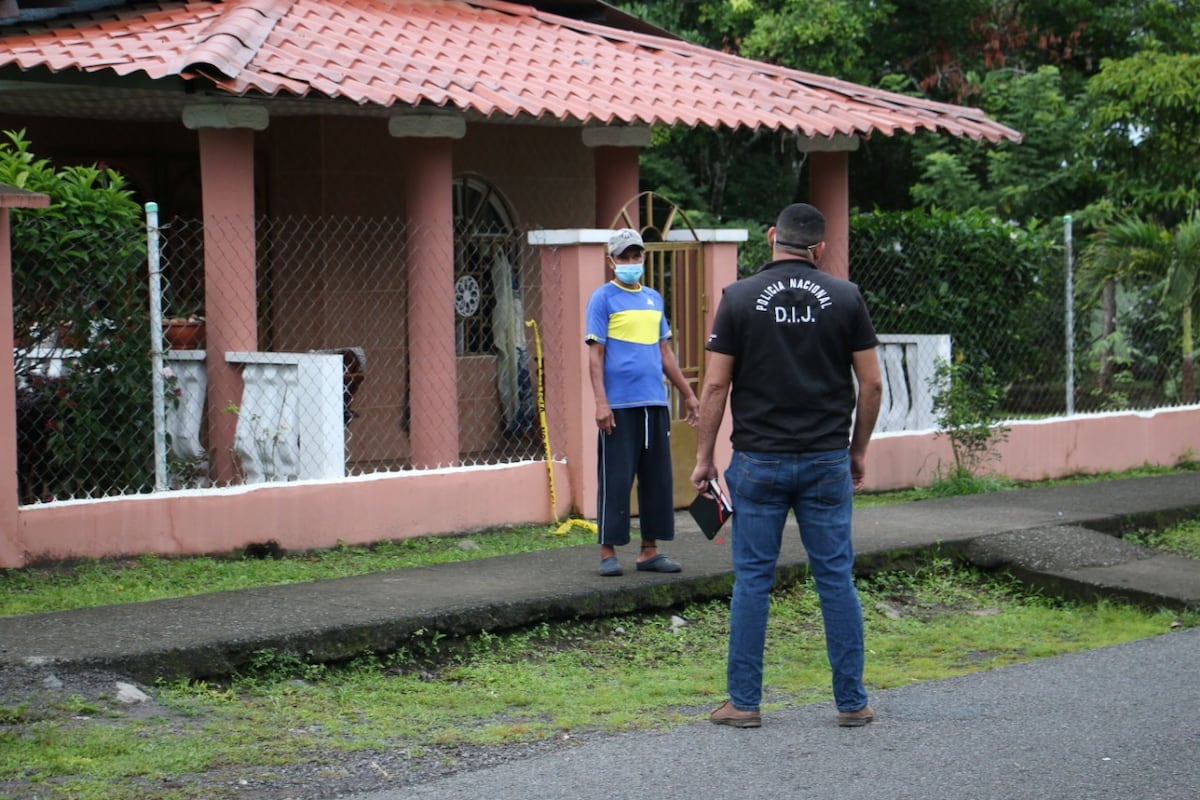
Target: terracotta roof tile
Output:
[(484, 56), (234, 37)]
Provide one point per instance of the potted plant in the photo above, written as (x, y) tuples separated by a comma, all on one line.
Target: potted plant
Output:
[(184, 333)]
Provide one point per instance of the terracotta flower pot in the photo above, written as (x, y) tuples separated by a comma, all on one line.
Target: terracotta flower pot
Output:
[(184, 334)]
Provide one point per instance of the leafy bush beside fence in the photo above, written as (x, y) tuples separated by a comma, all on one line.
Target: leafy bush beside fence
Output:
[(995, 287), (998, 289), (81, 329)]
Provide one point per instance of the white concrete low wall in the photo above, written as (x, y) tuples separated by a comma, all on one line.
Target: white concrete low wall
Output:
[(291, 422), (908, 363)]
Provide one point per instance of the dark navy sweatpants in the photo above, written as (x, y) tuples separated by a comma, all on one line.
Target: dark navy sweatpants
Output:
[(639, 446)]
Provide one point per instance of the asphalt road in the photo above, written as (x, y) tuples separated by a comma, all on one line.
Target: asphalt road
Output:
[(1120, 723)]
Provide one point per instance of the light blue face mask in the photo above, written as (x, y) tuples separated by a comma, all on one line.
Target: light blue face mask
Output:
[(629, 274)]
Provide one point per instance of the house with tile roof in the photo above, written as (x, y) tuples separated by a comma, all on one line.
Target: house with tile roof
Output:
[(406, 181)]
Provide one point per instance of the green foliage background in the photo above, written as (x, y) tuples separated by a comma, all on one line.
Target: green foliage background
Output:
[(969, 274), (1107, 99)]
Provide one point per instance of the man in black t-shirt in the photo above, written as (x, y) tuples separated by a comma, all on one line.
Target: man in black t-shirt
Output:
[(790, 341)]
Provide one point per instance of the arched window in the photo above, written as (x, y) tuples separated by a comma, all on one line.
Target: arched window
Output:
[(486, 263), (489, 311)]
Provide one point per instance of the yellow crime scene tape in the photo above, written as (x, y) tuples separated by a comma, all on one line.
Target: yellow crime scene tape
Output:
[(563, 527)]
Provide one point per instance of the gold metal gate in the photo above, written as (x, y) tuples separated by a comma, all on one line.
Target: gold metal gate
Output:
[(675, 268)]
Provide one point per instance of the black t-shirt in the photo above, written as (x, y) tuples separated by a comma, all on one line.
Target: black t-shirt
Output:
[(792, 330)]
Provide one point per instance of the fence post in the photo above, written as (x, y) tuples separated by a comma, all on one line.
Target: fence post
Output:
[(156, 354), (1069, 292)]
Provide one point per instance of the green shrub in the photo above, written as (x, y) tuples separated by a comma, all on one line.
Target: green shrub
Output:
[(966, 399), (79, 282), (994, 286)]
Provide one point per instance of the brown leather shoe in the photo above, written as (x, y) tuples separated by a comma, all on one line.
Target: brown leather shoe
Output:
[(856, 719), (726, 714)]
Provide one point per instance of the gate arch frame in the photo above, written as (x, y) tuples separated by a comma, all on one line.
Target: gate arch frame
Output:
[(675, 267)]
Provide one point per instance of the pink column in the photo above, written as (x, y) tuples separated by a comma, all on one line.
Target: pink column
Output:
[(720, 259), (10, 545), (571, 271), (230, 293), (432, 359), (829, 190), (12, 549), (616, 184)]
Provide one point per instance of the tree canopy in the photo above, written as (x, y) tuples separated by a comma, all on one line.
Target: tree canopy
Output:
[(1143, 130), (1104, 93), (1107, 98)]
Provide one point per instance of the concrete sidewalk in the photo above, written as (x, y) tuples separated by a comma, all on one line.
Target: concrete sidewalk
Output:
[(1056, 537)]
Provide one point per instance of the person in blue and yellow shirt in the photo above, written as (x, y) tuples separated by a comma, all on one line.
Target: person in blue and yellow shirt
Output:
[(629, 352)]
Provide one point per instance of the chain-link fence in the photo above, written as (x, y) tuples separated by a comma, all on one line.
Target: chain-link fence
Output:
[(329, 330), (345, 289), (80, 357), (338, 359), (999, 292)]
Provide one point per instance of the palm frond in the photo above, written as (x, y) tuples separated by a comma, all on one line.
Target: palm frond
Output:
[(1127, 250), (1183, 278)]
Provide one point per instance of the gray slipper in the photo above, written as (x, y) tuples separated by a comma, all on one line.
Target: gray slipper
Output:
[(659, 563), (610, 567)]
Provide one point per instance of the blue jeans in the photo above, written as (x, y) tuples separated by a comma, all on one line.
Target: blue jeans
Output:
[(818, 488)]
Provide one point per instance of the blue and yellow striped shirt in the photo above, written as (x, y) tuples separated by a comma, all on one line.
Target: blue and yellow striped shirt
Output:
[(630, 323)]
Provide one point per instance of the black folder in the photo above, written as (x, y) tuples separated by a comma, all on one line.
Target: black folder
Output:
[(711, 509)]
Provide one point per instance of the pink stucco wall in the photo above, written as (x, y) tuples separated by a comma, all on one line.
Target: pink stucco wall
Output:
[(360, 510), (1053, 448), (345, 166), (297, 515)]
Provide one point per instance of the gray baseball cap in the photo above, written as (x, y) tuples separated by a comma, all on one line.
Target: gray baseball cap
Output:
[(623, 239)]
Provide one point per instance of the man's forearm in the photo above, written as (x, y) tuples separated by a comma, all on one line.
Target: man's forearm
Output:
[(866, 413), (596, 373), (712, 411)]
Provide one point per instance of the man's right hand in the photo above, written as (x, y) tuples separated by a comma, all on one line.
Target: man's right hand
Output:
[(604, 418), (702, 474)]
